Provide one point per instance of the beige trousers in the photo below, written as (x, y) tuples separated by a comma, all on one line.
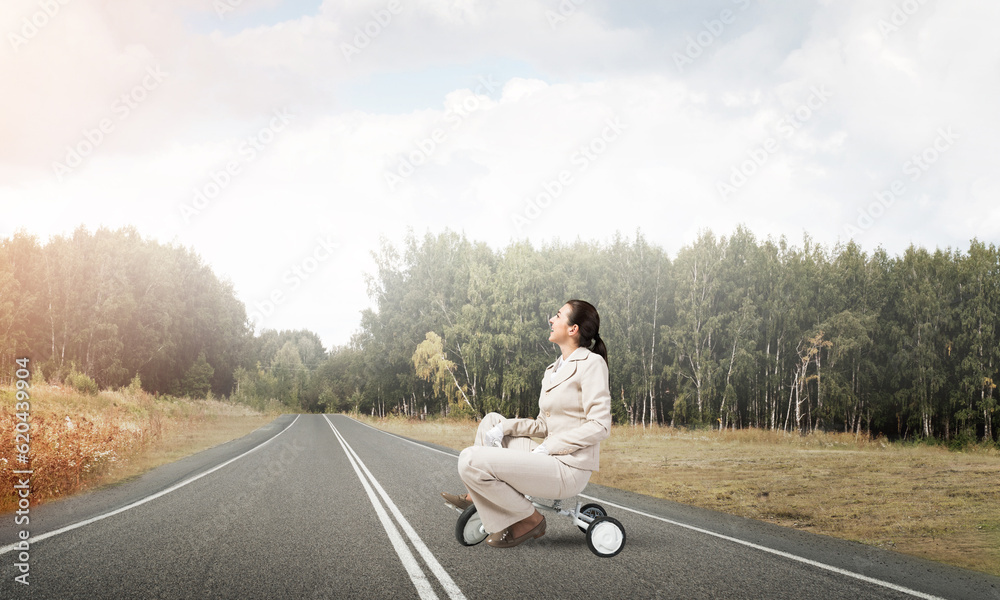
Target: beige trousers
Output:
[(499, 478)]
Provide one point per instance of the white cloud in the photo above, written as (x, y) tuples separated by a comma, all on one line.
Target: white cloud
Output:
[(501, 138)]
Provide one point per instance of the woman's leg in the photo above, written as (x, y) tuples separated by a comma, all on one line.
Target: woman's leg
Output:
[(498, 479), (487, 423)]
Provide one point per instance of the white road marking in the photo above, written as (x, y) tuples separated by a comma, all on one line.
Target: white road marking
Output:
[(409, 562), (420, 581), (37, 538), (424, 446), (787, 555)]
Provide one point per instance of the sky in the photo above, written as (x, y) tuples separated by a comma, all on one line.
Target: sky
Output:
[(285, 140)]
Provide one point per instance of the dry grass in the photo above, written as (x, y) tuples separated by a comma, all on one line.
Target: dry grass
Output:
[(920, 500), (79, 442)]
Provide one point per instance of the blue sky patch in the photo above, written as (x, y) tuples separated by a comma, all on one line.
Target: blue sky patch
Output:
[(401, 92), (233, 16)]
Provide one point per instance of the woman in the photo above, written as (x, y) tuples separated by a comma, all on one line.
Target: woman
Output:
[(574, 416)]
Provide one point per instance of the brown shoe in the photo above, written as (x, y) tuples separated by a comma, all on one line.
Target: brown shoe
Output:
[(460, 502), (505, 539)]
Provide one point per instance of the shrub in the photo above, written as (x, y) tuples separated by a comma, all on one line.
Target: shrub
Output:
[(65, 451), (135, 387), (82, 383), (462, 411)]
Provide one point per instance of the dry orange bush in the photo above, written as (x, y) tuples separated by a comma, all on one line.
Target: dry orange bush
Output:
[(75, 438), (64, 451)]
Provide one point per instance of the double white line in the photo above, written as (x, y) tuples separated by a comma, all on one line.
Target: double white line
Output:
[(420, 580)]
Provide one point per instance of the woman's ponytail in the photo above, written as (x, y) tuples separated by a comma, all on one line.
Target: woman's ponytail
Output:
[(585, 316), (600, 348)]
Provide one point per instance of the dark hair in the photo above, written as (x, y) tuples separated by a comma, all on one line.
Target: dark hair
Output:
[(584, 316)]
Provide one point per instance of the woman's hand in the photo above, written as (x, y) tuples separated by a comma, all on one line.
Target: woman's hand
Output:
[(494, 437)]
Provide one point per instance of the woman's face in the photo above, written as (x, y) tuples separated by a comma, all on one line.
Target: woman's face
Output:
[(560, 331)]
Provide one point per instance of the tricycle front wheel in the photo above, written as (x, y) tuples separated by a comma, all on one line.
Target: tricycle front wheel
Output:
[(606, 537), (469, 529)]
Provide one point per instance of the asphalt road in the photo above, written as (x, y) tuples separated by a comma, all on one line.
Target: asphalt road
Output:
[(317, 506)]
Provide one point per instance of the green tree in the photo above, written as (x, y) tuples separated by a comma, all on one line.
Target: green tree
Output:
[(197, 381), (922, 311), (694, 336), (290, 375), (634, 305), (976, 345), (431, 365)]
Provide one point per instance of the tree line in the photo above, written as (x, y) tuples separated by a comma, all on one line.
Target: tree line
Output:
[(109, 308), (731, 332)]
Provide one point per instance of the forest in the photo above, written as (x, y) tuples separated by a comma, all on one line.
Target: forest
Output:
[(731, 332)]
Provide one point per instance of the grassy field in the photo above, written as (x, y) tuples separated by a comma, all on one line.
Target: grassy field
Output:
[(916, 499), (79, 441)]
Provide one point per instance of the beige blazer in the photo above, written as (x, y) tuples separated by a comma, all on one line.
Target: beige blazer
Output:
[(574, 411)]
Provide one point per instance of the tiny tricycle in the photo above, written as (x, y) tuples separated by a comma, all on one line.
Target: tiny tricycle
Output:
[(605, 535)]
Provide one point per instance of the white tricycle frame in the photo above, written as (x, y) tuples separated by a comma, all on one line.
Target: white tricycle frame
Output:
[(605, 535)]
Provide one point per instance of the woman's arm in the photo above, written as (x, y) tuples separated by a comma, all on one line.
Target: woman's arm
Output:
[(596, 404), (526, 427)]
